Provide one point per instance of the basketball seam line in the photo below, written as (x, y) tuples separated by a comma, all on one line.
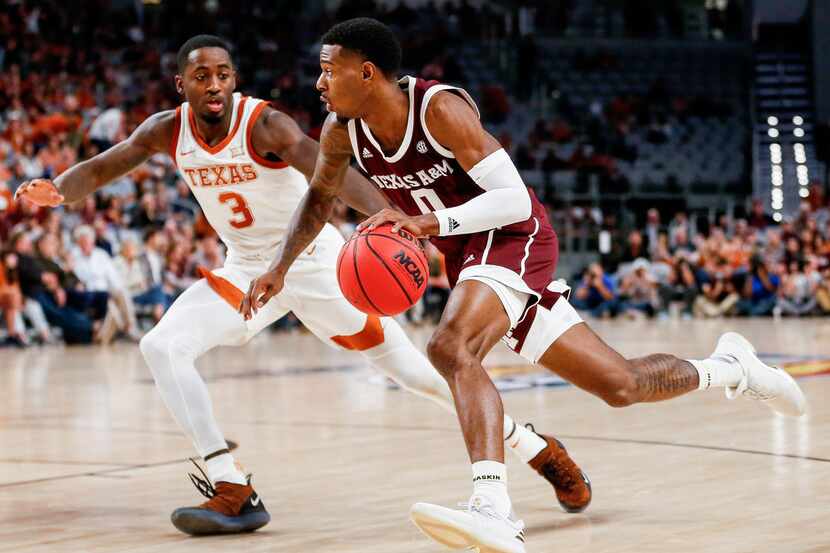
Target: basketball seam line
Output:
[(415, 249), (359, 281), (394, 276)]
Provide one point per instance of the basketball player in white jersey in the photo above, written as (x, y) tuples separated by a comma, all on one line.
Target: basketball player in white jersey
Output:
[(245, 163)]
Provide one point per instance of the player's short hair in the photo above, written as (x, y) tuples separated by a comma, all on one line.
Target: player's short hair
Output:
[(196, 42), (371, 39)]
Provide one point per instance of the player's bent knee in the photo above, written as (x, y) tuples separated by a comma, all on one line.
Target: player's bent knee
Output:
[(444, 351), (156, 347), (149, 345)]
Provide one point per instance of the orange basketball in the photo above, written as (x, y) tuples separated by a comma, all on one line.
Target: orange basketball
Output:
[(381, 272)]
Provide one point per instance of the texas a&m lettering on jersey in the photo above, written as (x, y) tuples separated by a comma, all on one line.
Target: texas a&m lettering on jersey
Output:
[(422, 177)]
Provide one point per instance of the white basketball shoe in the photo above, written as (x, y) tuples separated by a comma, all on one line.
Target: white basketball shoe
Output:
[(478, 527), (761, 382)]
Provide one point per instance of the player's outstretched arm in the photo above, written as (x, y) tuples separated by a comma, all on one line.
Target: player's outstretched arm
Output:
[(152, 136), (505, 200), (277, 133), (312, 213)]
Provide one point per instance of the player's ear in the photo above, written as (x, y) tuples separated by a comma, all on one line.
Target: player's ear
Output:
[(368, 71), (179, 84)]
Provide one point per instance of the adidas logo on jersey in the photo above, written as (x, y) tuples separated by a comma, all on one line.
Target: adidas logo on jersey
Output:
[(421, 147), (366, 153), (453, 224)]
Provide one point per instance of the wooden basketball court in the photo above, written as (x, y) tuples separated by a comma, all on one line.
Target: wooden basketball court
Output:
[(91, 461)]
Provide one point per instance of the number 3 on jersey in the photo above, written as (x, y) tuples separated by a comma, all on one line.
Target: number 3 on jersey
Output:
[(239, 207)]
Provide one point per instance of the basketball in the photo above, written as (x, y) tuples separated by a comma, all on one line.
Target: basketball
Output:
[(382, 272)]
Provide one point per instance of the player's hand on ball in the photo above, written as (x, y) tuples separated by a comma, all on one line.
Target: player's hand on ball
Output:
[(260, 291), (420, 226), (42, 192)]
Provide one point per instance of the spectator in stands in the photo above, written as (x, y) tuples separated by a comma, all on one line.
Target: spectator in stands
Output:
[(597, 293), (109, 127), (680, 220), (652, 230), (760, 290), (823, 291), (97, 272), (638, 290), (56, 157), (792, 253), (31, 308), (135, 272), (155, 250), (178, 277), (92, 303), (660, 251), (621, 256), (798, 290), (11, 303), (718, 295), (183, 201), (681, 286), (209, 255), (773, 249), (147, 212), (44, 287)]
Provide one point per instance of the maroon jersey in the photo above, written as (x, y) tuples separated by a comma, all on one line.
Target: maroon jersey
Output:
[(422, 176)]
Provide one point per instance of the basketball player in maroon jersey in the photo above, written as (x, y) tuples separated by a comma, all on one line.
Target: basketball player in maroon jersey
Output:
[(423, 146)]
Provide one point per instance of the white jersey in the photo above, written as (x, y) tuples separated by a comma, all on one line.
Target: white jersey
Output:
[(247, 199)]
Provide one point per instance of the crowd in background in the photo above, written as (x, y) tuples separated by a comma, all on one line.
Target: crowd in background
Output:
[(745, 267), (112, 264)]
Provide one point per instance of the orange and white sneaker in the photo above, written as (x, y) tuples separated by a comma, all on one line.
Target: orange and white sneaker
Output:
[(476, 527), (230, 509), (571, 484)]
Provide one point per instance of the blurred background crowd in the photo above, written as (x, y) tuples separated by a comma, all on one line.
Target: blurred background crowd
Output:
[(633, 121)]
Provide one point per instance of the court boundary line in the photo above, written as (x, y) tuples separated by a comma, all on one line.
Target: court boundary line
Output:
[(127, 468)]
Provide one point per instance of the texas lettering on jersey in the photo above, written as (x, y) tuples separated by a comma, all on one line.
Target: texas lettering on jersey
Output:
[(221, 175)]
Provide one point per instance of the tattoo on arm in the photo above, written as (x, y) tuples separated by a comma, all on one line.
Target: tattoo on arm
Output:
[(316, 206), (152, 136), (362, 195), (662, 376)]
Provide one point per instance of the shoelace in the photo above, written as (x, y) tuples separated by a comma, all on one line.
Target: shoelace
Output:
[(559, 473), (743, 389), (202, 484), (487, 510)]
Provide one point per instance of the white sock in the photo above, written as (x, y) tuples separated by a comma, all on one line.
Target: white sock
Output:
[(718, 372), (490, 481), (224, 468), (521, 441)]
